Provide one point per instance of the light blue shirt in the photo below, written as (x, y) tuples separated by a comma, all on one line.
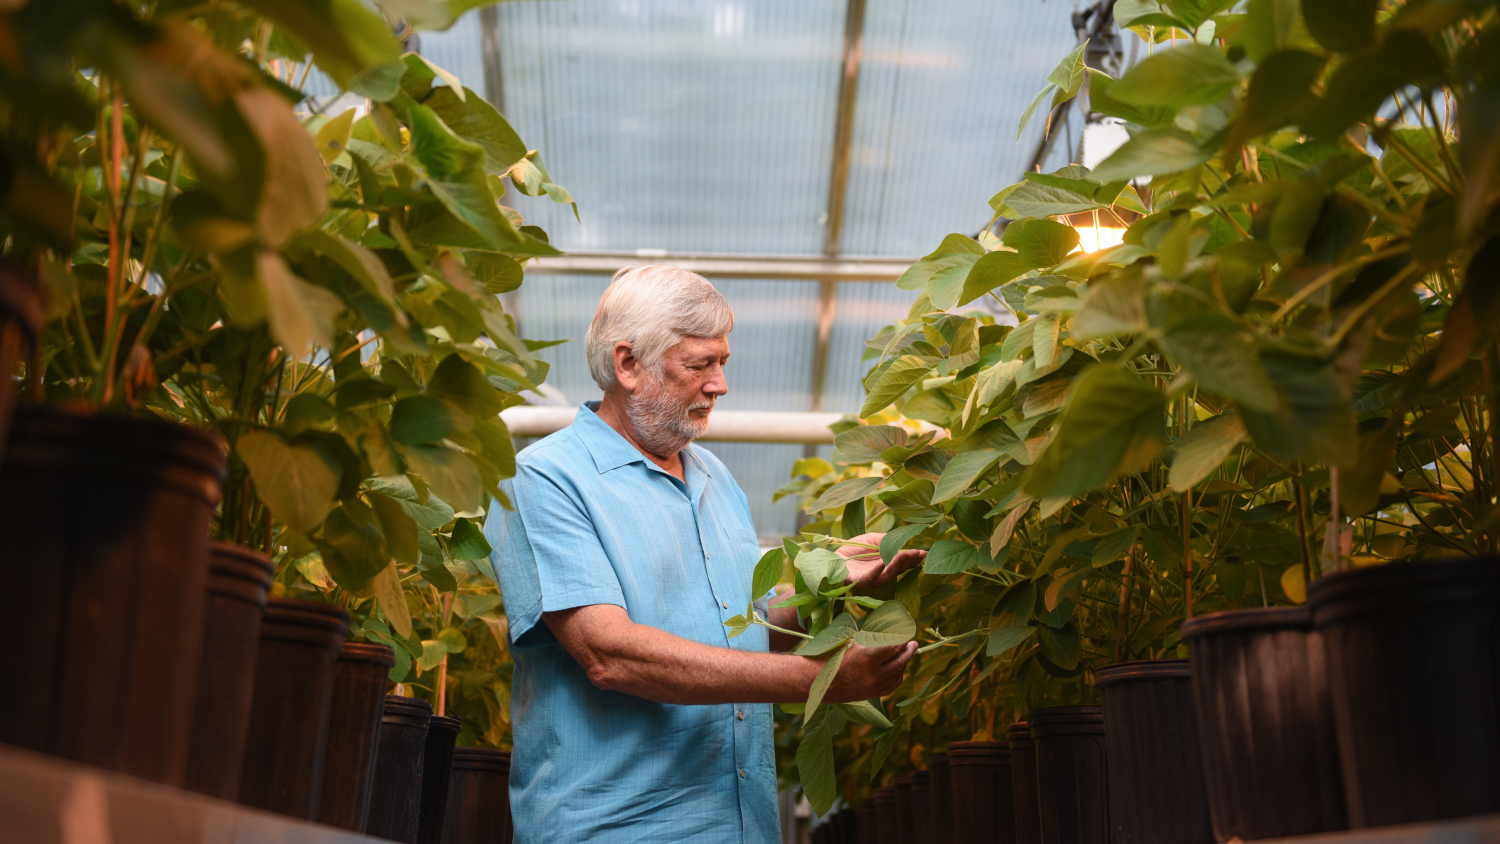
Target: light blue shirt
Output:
[(596, 523)]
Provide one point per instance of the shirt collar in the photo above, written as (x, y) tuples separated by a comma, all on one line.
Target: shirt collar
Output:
[(611, 451)]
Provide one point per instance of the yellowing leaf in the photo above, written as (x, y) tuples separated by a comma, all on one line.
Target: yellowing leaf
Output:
[(295, 481), (392, 600)]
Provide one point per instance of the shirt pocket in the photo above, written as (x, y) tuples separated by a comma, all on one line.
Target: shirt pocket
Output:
[(743, 549)]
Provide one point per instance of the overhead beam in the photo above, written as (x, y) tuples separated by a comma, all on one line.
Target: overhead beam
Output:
[(843, 135), (489, 47), (797, 268)]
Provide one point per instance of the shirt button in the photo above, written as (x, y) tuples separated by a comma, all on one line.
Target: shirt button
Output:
[(742, 773), (724, 604), (707, 556), (741, 713)]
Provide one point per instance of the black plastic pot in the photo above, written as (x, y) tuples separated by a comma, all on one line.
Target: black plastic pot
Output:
[(921, 805), (906, 826), (1414, 670), (396, 799), (1156, 790), (1023, 784), (359, 681), (1072, 775), (284, 748), (846, 831), (22, 314), (437, 768), (237, 582), (105, 560), (940, 796), (1265, 724), (867, 823), (478, 798), (983, 796), (885, 815)]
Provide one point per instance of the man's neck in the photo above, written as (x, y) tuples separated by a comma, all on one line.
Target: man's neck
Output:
[(612, 411)]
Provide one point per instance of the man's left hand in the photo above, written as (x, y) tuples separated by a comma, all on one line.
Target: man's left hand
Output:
[(867, 570)]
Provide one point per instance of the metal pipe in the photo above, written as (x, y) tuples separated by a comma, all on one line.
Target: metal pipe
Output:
[(749, 426), (799, 268)]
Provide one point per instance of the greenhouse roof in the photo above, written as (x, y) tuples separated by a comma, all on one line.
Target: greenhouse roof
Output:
[(713, 127)]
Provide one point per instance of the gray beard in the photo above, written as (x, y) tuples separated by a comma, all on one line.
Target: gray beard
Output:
[(661, 423)]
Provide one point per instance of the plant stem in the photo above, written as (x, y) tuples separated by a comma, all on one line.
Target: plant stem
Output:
[(1124, 617), (1301, 523), (755, 619)]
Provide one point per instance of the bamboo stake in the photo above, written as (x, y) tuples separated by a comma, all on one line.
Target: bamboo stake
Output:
[(1187, 551), (442, 678), (1489, 382), (1301, 523)]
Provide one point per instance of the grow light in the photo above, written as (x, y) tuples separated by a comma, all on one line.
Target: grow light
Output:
[(1094, 238)]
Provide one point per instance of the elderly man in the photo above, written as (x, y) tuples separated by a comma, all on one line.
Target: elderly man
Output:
[(636, 718)]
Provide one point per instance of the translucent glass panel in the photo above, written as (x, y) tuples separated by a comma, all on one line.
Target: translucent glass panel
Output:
[(684, 125), (864, 307), (771, 353), (457, 50), (941, 90)]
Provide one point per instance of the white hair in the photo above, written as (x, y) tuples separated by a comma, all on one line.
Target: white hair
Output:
[(652, 308)]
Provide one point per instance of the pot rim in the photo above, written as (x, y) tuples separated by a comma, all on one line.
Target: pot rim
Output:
[(1254, 619), (446, 722), (368, 652), (1142, 670), (1407, 584)]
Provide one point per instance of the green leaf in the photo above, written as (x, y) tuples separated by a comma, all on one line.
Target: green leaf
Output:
[(821, 568), (948, 280), (463, 384), (1112, 546), (451, 474), (844, 492), (417, 420), (301, 315), (430, 514), (1113, 423), (1313, 420), (896, 539), (1341, 26), (825, 677), (392, 600), (1006, 638), (838, 631), (1279, 94), (354, 551), (1153, 153), (1203, 449), (297, 482), (344, 36), (906, 371), (467, 542), (399, 527), (865, 443), (1031, 108), (1062, 646), (1190, 74), (768, 573), (1034, 199), (918, 275), (1041, 243), (1212, 350), (737, 625), (990, 272), (961, 472), (815, 767), (1112, 306), (889, 624), (950, 556), (865, 712)]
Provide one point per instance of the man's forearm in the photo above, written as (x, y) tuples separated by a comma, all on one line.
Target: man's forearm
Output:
[(623, 656)]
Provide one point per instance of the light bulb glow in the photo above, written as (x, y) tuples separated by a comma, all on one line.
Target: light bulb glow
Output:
[(1094, 238)]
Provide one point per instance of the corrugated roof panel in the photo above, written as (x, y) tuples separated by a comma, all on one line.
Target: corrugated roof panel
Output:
[(862, 309), (458, 51), (941, 90), (690, 126)]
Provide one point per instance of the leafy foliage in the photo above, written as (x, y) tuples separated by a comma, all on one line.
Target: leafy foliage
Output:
[(1288, 367)]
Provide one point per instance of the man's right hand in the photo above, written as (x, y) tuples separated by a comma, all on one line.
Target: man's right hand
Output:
[(870, 672)]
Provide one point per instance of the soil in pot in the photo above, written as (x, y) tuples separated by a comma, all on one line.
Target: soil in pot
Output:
[(983, 796), (1023, 784), (940, 796), (237, 582), (1072, 774), (921, 805), (1156, 789), (284, 748), (1265, 724), (1414, 674), (359, 681), (906, 826), (437, 766), (396, 799), (478, 798), (105, 541)]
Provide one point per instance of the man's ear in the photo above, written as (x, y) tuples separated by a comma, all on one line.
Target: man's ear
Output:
[(627, 367)]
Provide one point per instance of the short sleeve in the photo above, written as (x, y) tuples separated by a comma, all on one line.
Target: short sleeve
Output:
[(547, 554)]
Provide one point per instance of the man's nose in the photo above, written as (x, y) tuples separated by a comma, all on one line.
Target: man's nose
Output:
[(715, 385)]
